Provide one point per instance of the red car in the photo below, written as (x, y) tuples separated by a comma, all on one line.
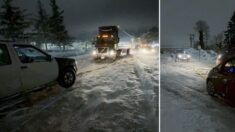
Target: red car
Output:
[(221, 80)]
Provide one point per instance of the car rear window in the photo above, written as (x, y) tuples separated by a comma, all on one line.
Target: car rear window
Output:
[(4, 55)]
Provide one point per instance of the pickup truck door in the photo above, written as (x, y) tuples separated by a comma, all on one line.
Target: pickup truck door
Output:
[(37, 67), (9, 72)]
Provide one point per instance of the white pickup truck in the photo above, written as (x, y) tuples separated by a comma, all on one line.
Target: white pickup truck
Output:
[(26, 68)]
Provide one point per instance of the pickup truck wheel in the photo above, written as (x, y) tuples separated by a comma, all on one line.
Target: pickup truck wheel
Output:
[(67, 78)]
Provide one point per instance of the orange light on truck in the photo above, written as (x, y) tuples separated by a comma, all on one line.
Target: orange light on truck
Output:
[(105, 36)]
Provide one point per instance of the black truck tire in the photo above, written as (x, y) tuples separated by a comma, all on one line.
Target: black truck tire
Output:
[(128, 52), (118, 53), (67, 78)]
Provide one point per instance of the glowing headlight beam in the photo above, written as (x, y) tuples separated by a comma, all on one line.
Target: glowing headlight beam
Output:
[(180, 56), (94, 52), (112, 53)]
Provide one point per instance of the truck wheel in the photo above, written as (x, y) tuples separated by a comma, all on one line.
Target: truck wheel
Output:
[(67, 78), (128, 52), (118, 53)]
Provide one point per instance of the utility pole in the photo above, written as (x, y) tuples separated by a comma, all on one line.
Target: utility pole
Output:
[(191, 38)]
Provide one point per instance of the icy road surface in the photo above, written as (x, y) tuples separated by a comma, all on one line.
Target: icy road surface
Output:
[(185, 104), (121, 96)]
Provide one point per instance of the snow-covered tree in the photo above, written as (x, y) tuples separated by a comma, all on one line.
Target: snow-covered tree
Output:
[(59, 34), (41, 25), (12, 21), (151, 35)]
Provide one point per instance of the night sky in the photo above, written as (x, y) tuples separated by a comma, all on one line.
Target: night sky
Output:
[(178, 17), (82, 17)]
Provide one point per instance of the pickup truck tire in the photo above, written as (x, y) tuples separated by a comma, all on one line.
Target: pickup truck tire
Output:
[(67, 78)]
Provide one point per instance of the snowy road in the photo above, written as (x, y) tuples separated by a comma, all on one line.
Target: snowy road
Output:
[(108, 97), (185, 104)]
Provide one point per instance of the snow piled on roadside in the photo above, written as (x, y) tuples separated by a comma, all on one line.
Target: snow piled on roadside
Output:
[(77, 49), (205, 55), (208, 56), (67, 53)]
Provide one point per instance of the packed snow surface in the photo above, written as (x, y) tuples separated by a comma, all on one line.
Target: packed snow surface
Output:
[(185, 104), (119, 96)]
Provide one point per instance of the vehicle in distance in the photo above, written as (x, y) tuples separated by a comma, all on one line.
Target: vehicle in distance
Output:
[(146, 48), (25, 68), (221, 80), (183, 57)]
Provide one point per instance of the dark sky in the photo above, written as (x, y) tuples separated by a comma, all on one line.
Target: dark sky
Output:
[(178, 18), (82, 17)]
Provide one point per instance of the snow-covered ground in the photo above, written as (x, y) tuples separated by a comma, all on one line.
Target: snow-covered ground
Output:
[(121, 96), (185, 104)]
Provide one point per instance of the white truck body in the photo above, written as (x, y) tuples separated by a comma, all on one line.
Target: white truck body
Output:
[(17, 77)]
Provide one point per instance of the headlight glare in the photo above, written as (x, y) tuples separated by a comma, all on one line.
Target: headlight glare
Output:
[(94, 52), (180, 56)]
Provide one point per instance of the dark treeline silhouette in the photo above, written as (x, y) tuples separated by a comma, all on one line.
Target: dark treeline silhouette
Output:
[(230, 34), (151, 35), (223, 41), (42, 28)]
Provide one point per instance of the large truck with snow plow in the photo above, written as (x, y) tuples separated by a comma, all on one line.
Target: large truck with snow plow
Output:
[(107, 44)]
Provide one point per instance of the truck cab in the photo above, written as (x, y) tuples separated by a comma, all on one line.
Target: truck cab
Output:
[(106, 45)]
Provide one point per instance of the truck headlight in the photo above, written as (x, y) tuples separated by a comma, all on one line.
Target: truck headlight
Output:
[(144, 50), (112, 53), (179, 56), (188, 56), (94, 52)]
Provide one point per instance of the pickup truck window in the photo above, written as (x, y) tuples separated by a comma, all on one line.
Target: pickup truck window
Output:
[(4, 56), (29, 54)]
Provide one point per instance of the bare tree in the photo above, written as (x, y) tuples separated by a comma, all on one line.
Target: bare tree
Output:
[(203, 30)]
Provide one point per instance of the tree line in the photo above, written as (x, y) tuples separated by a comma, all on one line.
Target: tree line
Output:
[(222, 41), (41, 28)]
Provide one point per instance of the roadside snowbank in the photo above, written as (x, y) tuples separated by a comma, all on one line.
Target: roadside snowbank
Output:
[(68, 53), (206, 55)]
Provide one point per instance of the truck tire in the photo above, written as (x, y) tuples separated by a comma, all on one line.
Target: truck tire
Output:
[(67, 78), (128, 52), (118, 53)]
